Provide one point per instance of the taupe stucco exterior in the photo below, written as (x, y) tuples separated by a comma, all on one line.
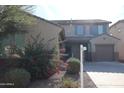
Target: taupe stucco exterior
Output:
[(94, 37), (104, 40), (117, 30), (47, 31)]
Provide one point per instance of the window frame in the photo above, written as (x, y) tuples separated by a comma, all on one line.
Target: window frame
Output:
[(79, 30), (100, 29)]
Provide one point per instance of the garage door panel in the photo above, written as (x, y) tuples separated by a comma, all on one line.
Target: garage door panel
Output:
[(104, 52)]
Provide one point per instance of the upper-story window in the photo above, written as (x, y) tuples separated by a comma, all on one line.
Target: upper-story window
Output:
[(97, 29), (79, 30), (100, 29), (94, 30)]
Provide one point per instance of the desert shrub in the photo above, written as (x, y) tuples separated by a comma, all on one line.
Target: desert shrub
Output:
[(11, 63), (7, 63), (40, 61), (40, 58), (73, 66), (19, 77), (39, 70), (69, 83)]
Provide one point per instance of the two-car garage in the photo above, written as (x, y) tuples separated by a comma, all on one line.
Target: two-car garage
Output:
[(104, 48)]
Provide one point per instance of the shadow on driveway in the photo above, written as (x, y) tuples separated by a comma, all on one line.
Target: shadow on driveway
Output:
[(108, 67)]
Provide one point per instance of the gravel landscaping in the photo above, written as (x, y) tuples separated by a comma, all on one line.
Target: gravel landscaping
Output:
[(52, 82), (64, 78), (55, 81)]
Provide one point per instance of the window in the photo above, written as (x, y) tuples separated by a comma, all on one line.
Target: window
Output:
[(100, 29), (20, 39), (94, 30), (79, 30)]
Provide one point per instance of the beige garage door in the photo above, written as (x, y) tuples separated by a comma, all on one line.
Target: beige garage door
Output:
[(104, 52)]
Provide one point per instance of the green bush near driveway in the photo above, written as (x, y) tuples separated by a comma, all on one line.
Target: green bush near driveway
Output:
[(73, 66)]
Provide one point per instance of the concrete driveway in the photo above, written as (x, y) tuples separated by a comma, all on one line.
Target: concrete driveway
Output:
[(106, 74)]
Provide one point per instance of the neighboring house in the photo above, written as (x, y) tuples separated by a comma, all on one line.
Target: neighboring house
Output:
[(117, 30), (50, 32), (93, 35)]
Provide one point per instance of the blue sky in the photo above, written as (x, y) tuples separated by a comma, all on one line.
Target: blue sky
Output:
[(111, 10)]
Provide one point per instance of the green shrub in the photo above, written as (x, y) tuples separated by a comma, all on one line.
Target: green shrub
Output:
[(40, 59), (19, 77), (39, 70), (69, 83), (73, 66)]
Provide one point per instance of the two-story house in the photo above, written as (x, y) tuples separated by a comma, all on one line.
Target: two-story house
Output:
[(92, 34)]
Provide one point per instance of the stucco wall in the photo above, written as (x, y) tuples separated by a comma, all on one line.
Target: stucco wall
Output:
[(104, 39), (69, 30), (89, 29), (117, 30), (48, 31)]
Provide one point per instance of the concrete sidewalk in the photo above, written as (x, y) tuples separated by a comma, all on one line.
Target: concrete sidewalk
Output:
[(107, 80), (106, 74)]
